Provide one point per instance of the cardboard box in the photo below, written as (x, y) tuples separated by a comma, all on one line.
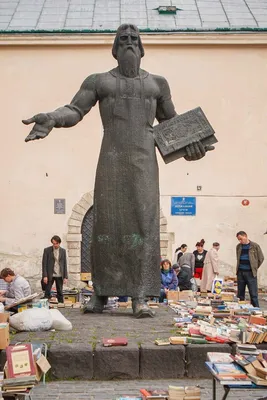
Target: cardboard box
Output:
[(71, 299), (42, 366), (4, 317), (4, 335), (186, 295), (173, 295), (86, 276)]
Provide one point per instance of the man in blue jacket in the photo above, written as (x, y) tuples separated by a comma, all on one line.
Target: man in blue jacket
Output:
[(249, 259)]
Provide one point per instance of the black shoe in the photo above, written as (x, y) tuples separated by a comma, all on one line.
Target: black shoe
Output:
[(141, 309), (96, 304)]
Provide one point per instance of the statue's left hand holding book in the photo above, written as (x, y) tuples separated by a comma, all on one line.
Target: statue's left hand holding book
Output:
[(172, 137)]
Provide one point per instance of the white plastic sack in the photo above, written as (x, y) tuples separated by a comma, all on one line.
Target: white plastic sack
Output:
[(34, 319), (60, 323), (194, 286)]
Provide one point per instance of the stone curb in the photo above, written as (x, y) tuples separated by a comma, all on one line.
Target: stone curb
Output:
[(80, 361), (116, 362), (162, 362), (71, 361)]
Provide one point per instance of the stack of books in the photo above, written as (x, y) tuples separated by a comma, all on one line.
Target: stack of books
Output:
[(255, 366), (248, 349), (229, 374), (239, 370), (184, 393), (203, 310), (19, 385)]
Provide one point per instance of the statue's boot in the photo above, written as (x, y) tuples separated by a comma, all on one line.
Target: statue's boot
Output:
[(96, 304), (141, 309)]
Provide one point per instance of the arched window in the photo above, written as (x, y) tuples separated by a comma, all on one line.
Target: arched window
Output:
[(87, 230)]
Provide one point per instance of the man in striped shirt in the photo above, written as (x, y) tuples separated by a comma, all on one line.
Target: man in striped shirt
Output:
[(249, 259)]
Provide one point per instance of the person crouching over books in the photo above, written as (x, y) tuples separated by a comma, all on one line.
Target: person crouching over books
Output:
[(18, 288), (169, 280)]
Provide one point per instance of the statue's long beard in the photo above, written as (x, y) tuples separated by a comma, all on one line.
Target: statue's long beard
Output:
[(129, 63)]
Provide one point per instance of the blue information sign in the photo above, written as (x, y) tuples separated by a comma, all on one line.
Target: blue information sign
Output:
[(183, 206)]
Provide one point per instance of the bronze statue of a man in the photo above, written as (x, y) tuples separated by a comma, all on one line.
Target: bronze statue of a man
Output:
[(126, 239)]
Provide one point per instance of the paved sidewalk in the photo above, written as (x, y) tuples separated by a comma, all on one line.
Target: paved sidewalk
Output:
[(108, 390)]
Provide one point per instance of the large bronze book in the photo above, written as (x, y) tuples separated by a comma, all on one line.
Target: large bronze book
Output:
[(174, 135)]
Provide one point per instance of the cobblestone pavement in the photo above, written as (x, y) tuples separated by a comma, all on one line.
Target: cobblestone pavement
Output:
[(99, 390)]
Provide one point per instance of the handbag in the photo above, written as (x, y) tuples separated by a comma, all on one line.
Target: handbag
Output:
[(217, 285)]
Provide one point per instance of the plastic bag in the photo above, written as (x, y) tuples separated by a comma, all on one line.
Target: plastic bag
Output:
[(194, 286), (34, 319), (60, 323), (217, 285)]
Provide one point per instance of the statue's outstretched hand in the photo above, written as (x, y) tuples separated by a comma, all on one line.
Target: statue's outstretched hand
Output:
[(196, 150), (42, 127)]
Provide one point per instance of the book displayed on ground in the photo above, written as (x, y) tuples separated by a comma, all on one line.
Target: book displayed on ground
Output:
[(214, 320), (149, 394), (20, 362), (162, 342), (129, 398), (178, 340), (116, 341), (184, 393)]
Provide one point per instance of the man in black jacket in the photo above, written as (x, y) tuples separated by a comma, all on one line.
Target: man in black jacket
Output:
[(55, 268)]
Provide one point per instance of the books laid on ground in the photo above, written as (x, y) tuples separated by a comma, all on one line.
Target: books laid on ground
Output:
[(222, 325), (184, 393), (203, 310), (162, 342), (149, 394), (116, 341), (128, 398), (68, 304)]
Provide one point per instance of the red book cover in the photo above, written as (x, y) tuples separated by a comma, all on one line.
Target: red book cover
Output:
[(20, 361), (116, 341)]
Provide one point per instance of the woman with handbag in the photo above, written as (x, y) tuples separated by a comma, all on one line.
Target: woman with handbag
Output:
[(211, 268)]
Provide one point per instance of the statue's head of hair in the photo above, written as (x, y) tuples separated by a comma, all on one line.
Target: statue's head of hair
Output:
[(121, 29)]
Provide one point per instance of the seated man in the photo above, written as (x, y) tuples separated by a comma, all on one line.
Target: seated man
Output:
[(18, 288)]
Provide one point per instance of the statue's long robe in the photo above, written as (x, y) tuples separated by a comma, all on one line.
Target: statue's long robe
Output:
[(126, 237)]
